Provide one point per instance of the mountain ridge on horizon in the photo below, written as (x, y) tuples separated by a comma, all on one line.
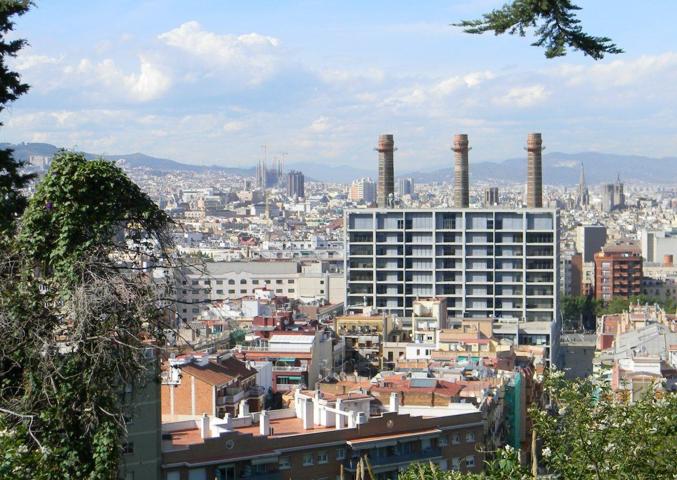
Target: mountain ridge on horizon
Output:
[(558, 168)]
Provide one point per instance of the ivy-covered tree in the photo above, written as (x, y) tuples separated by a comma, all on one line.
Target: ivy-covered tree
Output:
[(12, 202), (78, 314), (555, 23)]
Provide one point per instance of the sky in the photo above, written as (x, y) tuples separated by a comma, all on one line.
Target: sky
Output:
[(211, 82)]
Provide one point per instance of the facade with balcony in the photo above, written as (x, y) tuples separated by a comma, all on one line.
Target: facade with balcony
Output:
[(298, 358), (486, 263)]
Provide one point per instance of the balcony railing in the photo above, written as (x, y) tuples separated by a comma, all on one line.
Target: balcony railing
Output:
[(290, 368), (351, 464)]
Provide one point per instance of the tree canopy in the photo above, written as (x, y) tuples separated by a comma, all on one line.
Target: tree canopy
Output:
[(588, 432), (555, 26), (12, 180)]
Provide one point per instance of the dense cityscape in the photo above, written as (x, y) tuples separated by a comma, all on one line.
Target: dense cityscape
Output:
[(174, 321)]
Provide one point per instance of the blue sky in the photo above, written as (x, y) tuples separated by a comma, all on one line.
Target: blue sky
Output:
[(209, 82)]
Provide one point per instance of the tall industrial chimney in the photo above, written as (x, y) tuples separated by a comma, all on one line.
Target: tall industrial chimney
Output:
[(461, 184), (385, 191), (534, 171)]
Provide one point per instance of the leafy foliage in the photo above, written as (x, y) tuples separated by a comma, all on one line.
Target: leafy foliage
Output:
[(81, 208), (555, 23), (504, 465), (12, 202), (590, 433), (587, 432), (77, 312), (574, 308)]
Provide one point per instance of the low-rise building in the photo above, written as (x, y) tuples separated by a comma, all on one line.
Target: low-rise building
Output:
[(323, 436)]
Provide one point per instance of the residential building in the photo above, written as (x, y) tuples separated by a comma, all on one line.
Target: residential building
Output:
[(656, 245), (197, 288), (487, 263), (618, 272), (490, 196), (295, 184), (142, 454), (405, 186), (324, 436), (212, 385), (589, 240), (299, 358), (363, 190)]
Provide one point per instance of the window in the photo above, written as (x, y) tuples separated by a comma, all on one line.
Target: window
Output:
[(340, 453), (284, 463), (455, 439), (290, 281), (322, 457), (195, 292), (290, 290), (128, 448), (279, 282), (219, 292), (184, 283), (244, 290), (184, 291), (194, 282), (208, 282), (195, 310), (321, 292), (173, 475), (219, 282), (231, 291), (321, 282), (197, 474), (456, 464), (307, 459), (267, 282), (231, 282), (469, 437), (255, 282), (443, 441), (470, 461), (243, 281), (279, 290)]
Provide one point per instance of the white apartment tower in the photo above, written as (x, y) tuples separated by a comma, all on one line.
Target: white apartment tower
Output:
[(495, 262)]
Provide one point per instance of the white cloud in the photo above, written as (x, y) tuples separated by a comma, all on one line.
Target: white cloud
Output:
[(150, 83), (257, 55), (26, 62), (234, 126), (523, 96), (619, 72), (319, 125)]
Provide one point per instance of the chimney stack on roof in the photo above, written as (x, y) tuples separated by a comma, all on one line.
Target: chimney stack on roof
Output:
[(461, 183), (534, 171), (385, 190)]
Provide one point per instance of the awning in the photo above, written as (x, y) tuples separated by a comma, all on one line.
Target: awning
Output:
[(391, 440), (263, 460)]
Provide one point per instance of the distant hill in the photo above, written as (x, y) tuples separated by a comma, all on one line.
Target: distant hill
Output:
[(558, 168), (23, 150), (565, 168)]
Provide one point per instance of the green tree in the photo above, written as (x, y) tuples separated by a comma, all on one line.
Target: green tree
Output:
[(78, 312), (588, 432), (555, 23), (591, 433), (12, 202)]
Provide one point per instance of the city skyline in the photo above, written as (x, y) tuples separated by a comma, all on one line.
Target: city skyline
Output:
[(212, 86)]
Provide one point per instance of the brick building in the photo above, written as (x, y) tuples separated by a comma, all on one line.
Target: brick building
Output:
[(215, 386), (618, 272)]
